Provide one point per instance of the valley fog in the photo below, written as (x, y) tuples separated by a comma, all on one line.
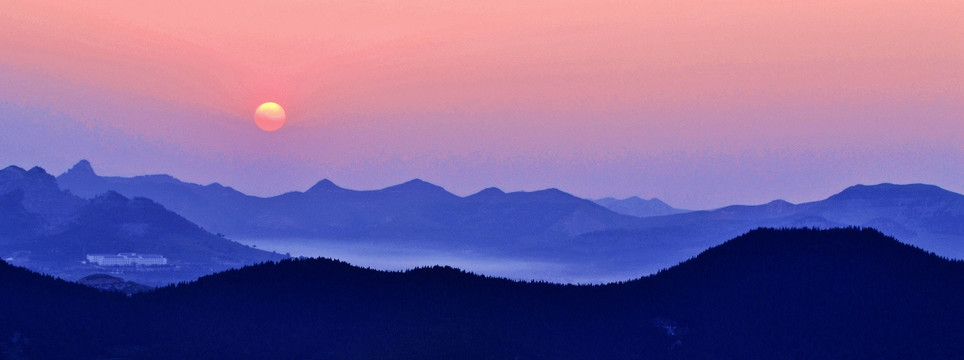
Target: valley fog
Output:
[(394, 257)]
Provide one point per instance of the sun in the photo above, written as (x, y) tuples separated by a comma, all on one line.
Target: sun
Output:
[(269, 116)]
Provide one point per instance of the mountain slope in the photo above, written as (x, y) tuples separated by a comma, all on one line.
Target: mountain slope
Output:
[(638, 207), (415, 210), (112, 223), (922, 215), (15, 221), (843, 293), (49, 230), (40, 193), (578, 239), (229, 208), (41, 317)]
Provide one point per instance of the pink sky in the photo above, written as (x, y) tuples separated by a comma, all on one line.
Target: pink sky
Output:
[(699, 103)]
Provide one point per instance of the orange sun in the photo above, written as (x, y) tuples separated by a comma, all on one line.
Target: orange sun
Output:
[(269, 116)]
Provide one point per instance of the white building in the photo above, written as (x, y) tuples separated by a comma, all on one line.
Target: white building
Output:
[(126, 259)]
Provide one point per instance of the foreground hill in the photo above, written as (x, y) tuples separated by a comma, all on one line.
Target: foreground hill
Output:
[(51, 231), (112, 283), (769, 294)]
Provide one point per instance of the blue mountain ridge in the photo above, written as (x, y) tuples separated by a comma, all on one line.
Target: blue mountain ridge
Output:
[(543, 226), (51, 230), (414, 209), (639, 207)]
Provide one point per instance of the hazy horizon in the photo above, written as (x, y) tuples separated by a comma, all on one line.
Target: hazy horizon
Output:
[(462, 194), (699, 104), (344, 186)]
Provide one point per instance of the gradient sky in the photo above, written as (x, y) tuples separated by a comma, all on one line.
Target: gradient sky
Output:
[(699, 103)]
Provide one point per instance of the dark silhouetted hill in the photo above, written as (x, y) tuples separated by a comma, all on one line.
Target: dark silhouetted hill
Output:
[(42, 317), (769, 294), (839, 293), (112, 283)]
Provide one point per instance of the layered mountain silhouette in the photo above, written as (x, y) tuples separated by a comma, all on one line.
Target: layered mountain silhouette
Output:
[(587, 240), (32, 202), (793, 294), (639, 207), (922, 215), (412, 210), (51, 230)]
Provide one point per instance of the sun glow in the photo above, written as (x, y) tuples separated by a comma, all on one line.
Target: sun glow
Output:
[(269, 116)]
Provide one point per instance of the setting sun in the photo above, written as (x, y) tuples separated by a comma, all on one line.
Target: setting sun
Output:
[(269, 116)]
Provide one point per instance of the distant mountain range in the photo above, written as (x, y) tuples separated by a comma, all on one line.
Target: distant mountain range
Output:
[(50, 230), (768, 294), (922, 215), (413, 210), (639, 207), (585, 240)]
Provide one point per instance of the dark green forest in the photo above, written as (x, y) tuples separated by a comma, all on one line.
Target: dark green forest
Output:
[(768, 294)]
